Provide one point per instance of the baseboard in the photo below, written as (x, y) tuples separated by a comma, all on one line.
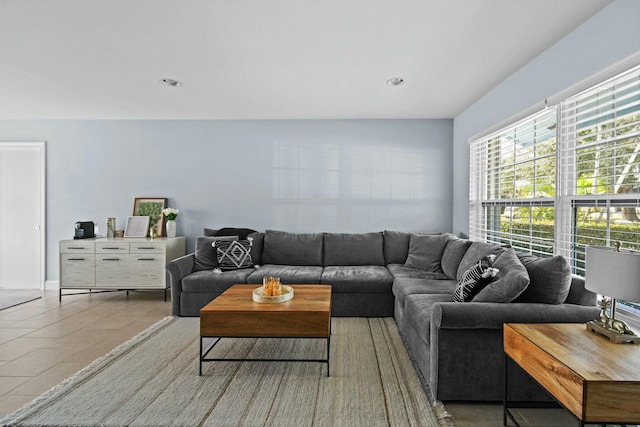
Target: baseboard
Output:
[(51, 285)]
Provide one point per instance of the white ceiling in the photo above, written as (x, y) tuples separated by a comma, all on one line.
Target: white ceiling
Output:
[(267, 59)]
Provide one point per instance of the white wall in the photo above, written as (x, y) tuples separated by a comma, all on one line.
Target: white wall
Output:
[(324, 175), (609, 37)]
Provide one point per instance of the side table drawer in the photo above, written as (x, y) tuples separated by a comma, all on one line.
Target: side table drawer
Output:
[(564, 384)]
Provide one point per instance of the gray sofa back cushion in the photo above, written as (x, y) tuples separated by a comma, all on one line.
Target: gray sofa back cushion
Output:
[(353, 249), (396, 246), (292, 248), (257, 246), (476, 251), (452, 256), (550, 279), (425, 252)]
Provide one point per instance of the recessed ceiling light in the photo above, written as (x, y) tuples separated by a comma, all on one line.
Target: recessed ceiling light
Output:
[(395, 81), (171, 82)]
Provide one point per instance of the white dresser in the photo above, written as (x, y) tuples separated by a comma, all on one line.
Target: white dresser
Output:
[(117, 264)]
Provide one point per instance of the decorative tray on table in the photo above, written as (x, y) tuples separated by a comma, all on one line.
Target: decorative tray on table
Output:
[(287, 294)]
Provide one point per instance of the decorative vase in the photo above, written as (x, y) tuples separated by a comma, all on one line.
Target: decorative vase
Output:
[(171, 228)]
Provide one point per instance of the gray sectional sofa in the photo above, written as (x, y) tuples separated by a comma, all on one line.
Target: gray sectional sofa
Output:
[(457, 346)]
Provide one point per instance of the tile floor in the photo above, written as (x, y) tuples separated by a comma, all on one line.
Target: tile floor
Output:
[(42, 342)]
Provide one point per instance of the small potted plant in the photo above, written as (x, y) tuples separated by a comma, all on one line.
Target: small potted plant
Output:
[(171, 214)]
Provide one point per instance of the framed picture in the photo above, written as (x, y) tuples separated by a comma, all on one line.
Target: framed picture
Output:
[(137, 226), (151, 207)]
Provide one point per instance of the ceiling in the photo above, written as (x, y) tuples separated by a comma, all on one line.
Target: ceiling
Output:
[(267, 59)]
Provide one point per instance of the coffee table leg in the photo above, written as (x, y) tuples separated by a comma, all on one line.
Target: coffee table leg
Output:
[(200, 357), (328, 352)]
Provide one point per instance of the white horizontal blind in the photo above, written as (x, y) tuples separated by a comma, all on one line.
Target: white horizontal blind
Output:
[(512, 185), (600, 167)]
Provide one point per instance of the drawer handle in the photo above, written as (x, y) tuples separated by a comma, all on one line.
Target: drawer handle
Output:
[(146, 259), (76, 247), (107, 247), (111, 259), (75, 259), (146, 247)]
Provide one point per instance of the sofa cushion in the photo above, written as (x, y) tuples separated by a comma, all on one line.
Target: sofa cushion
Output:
[(400, 271), (403, 287), (476, 251), (288, 274), (418, 309), (242, 233), (285, 248), (425, 251), (353, 249), (550, 279), (257, 245), (511, 281), (205, 253), (475, 279), (396, 246), (364, 278), (453, 254), (208, 280)]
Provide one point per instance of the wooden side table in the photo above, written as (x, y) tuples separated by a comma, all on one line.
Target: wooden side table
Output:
[(596, 380)]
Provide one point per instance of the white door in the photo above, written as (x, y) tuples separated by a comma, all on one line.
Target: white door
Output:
[(22, 215)]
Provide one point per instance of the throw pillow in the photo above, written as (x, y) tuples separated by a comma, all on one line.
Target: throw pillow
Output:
[(425, 252), (475, 279), (550, 279), (510, 282), (233, 255), (205, 254)]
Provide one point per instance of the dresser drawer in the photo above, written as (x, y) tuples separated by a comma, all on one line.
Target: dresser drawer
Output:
[(147, 271), (112, 270), (77, 246), (147, 248), (77, 270), (112, 247)]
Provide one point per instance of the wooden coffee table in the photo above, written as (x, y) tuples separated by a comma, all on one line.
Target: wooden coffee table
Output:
[(234, 314)]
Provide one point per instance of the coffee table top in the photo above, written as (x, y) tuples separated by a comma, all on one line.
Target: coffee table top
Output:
[(238, 298)]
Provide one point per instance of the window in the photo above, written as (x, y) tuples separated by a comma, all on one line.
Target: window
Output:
[(513, 185), (564, 178)]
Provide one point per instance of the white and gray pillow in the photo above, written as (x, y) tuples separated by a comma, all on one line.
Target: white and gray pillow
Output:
[(233, 255), (475, 278)]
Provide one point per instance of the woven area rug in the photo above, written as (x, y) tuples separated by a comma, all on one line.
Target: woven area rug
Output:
[(12, 297), (152, 380)]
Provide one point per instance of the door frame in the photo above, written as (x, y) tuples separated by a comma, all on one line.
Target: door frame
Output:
[(41, 146)]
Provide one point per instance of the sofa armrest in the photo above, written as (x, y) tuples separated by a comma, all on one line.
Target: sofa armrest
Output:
[(176, 270), (453, 315)]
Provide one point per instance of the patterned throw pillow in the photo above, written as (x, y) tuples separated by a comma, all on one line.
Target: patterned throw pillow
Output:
[(233, 255), (475, 279)]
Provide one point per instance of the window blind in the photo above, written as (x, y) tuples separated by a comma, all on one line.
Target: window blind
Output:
[(599, 168), (512, 185)]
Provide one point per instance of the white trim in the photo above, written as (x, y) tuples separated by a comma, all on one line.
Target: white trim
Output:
[(584, 84), (596, 79), (52, 285)]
